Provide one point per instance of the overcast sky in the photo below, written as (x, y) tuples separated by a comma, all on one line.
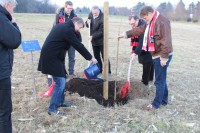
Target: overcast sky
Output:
[(119, 3)]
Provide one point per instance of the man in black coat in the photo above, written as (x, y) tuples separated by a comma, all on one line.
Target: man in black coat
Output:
[(10, 38), (52, 58), (63, 15), (95, 20)]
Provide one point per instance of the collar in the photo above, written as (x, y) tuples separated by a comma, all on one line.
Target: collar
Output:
[(5, 12)]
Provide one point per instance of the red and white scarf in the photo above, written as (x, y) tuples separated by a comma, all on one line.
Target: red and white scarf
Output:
[(149, 34)]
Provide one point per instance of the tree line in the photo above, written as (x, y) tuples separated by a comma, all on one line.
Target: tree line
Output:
[(35, 6), (177, 13)]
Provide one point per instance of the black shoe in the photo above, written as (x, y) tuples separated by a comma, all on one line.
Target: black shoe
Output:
[(164, 104), (66, 104), (145, 83), (58, 113)]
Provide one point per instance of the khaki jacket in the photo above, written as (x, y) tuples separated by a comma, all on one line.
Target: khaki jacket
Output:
[(162, 37)]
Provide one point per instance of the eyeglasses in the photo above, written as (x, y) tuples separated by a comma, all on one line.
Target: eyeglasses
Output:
[(69, 8)]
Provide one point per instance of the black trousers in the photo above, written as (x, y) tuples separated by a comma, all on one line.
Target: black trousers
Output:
[(148, 73), (98, 53), (5, 106)]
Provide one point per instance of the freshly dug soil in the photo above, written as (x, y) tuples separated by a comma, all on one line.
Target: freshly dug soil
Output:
[(94, 89)]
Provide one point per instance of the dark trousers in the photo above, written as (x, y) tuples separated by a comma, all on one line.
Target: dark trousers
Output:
[(98, 53), (148, 73), (5, 106)]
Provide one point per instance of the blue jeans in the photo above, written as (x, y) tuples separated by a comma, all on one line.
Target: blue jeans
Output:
[(71, 56), (161, 83), (5, 106), (57, 97)]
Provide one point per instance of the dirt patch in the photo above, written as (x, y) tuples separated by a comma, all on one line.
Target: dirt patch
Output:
[(94, 89)]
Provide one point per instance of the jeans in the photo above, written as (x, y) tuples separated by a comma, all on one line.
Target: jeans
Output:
[(71, 56), (57, 97), (161, 83), (98, 52), (5, 106)]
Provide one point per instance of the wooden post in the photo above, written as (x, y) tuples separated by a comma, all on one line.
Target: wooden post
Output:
[(105, 72)]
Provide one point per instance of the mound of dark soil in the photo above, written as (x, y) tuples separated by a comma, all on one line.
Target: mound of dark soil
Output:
[(94, 89)]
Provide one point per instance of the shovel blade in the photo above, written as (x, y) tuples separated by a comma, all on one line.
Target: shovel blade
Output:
[(125, 89)]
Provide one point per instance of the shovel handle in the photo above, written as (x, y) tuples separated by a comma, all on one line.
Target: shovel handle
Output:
[(129, 69)]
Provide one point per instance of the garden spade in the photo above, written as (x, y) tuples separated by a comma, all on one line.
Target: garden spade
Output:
[(126, 88)]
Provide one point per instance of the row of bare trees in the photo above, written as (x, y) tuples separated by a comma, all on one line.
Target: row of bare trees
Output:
[(177, 13), (35, 6)]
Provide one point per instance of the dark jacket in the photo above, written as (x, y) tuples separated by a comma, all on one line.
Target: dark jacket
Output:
[(61, 17), (52, 58), (96, 29), (10, 38), (143, 56), (162, 37)]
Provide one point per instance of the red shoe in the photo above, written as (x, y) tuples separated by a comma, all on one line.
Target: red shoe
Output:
[(149, 107)]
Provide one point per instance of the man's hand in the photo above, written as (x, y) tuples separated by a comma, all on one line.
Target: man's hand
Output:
[(133, 56), (120, 36), (93, 60), (88, 21), (163, 63)]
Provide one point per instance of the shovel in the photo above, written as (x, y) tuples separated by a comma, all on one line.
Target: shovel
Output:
[(126, 88)]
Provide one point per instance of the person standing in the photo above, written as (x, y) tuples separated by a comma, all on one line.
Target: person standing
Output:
[(10, 38), (144, 57), (95, 20), (158, 41), (63, 15), (52, 59)]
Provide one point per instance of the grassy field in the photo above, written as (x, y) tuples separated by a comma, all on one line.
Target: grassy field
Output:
[(182, 115)]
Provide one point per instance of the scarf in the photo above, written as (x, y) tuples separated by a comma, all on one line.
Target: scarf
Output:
[(149, 34), (134, 40)]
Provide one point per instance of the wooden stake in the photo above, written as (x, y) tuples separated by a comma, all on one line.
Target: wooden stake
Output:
[(105, 72)]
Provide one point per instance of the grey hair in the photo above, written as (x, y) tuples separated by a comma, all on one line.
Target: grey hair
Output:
[(95, 8), (12, 2), (78, 20)]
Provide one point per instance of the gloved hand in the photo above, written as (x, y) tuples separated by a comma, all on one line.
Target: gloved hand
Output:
[(93, 60), (133, 56)]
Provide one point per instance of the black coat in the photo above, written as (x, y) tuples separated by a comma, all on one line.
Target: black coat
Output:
[(96, 29), (143, 56), (10, 38), (52, 58)]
